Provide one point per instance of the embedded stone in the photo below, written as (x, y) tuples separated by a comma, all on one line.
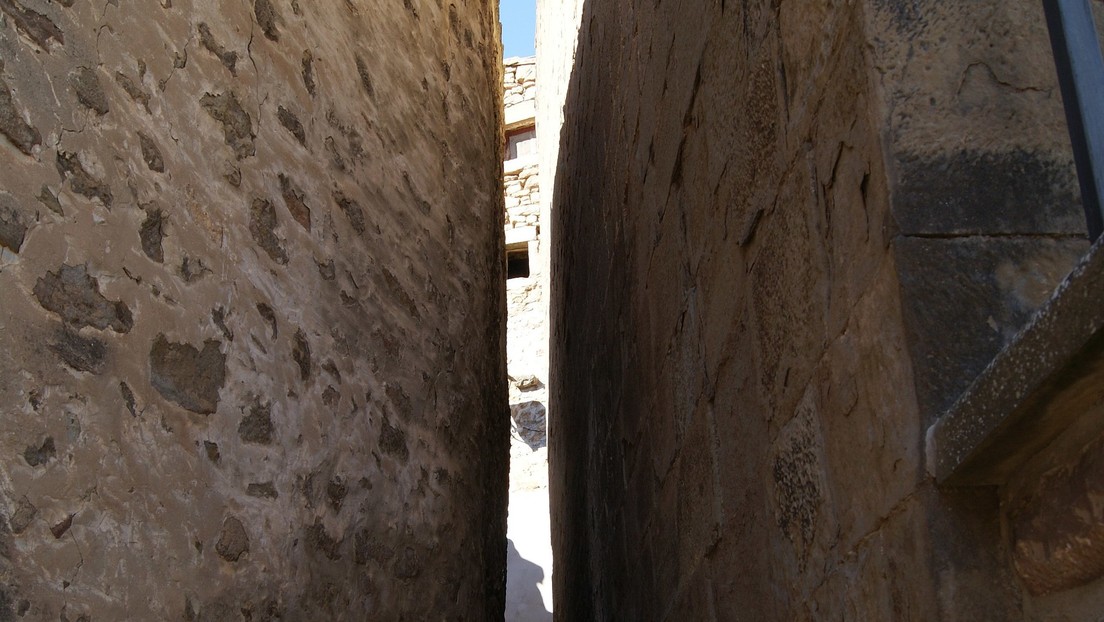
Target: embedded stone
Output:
[(38, 456), (86, 84), (86, 354), (228, 58), (186, 376), (25, 512), (152, 233), (233, 541), (237, 127), (262, 226), (13, 228), (291, 124), (302, 355), (24, 136), (256, 427), (263, 490), (75, 296), (352, 211), (34, 25), (267, 18), (81, 181), (392, 441), (320, 540), (151, 153)]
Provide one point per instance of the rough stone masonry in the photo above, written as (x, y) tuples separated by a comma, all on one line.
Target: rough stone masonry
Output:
[(245, 246)]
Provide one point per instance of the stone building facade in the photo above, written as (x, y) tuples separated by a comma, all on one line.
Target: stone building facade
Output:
[(526, 258), (529, 580), (788, 238), (244, 247)]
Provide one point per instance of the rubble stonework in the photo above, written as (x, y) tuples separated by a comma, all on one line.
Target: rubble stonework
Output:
[(244, 250)]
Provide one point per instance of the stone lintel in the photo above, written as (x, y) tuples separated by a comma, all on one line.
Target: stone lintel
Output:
[(1042, 384), (519, 235)]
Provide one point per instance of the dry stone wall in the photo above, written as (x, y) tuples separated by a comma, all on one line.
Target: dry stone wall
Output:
[(522, 186), (244, 250), (519, 81), (786, 234)]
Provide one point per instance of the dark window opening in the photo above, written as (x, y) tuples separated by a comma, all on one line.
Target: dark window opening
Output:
[(517, 262)]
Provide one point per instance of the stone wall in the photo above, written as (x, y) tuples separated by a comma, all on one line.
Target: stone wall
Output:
[(522, 187), (245, 249), (526, 302), (786, 236), (519, 82)]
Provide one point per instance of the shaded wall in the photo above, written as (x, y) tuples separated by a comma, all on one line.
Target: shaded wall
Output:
[(786, 236), (246, 246)]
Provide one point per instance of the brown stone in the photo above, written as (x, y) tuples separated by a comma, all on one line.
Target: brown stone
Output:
[(75, 296), (233, 541), (189, 377)]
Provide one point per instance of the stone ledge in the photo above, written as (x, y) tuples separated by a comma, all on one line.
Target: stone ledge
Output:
[(1037, 388)]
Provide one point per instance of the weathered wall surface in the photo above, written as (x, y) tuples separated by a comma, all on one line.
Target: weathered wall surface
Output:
[(785, 235), (246, 247)]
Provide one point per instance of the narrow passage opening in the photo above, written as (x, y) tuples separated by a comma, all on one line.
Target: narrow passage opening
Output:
[(529, 552)]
